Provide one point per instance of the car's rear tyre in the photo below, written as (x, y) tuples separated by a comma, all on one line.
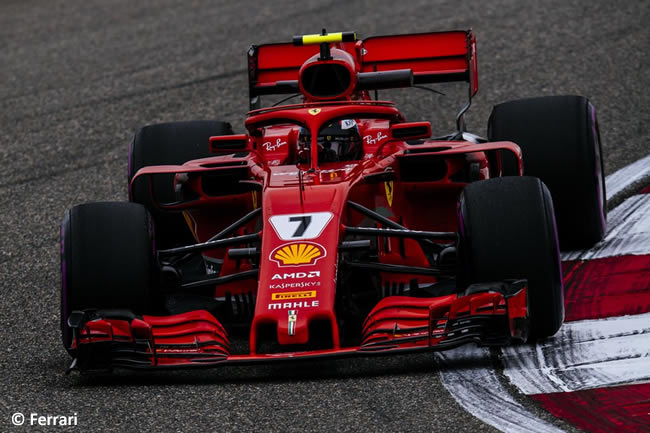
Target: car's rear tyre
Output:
[(507, 231), (560, 142), (171, 143), (107, 259)]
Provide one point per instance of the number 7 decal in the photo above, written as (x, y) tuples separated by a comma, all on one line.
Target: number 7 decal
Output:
[(305, 220), (300, 226)]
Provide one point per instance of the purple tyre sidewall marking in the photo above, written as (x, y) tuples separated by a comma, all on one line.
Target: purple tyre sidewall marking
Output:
[(64, 286), (600, 183)]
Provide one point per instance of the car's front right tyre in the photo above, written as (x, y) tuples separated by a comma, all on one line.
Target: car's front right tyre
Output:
[(107, 260)]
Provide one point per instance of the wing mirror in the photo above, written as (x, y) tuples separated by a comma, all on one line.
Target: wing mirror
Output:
[(228, 143), (411, 130)]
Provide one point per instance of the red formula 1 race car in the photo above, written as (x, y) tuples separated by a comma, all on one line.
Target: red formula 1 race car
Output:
[(334, 227)]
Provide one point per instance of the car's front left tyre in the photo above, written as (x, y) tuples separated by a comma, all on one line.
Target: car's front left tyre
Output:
[(507, 231)]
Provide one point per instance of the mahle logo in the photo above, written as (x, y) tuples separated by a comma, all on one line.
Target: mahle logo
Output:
[(298, 254)]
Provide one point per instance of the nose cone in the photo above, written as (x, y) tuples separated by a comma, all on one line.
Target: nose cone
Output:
[(297, 280)]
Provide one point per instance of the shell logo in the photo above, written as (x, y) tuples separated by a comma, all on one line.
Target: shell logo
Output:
[(297, 254)]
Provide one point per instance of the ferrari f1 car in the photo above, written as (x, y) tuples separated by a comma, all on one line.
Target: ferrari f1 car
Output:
[(334, 227)]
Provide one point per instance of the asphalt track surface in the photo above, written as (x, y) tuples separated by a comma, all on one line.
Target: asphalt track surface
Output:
[(77, 78)]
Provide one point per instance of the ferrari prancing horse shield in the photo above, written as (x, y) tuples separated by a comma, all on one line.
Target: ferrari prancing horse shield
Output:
[(389, 192)]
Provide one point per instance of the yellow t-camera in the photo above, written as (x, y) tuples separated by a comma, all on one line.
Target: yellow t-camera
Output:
[(324, 38)]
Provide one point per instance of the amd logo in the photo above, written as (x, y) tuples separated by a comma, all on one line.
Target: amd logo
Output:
[(296, 275)]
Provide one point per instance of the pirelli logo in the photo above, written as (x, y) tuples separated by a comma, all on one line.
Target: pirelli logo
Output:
[(293, 295)]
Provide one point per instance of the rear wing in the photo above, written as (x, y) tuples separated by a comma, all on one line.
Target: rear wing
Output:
[(433, 57)]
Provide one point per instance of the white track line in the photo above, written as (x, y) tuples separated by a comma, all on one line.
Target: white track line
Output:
[(583, 355), (619, 181), (478, 390), (628, 232)]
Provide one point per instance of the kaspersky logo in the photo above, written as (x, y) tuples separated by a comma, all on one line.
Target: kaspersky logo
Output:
[(298, 254)]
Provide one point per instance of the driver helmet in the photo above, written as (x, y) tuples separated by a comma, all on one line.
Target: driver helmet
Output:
[(337, 141)]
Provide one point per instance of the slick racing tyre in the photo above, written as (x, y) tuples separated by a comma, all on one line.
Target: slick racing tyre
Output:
[(107, 259), (171, 143), (507, 231), (560, 142)]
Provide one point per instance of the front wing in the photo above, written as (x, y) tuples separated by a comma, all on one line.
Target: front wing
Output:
[(486, 314)]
